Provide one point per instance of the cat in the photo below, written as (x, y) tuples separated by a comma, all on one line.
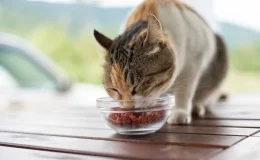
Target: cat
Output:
[(165, 47)]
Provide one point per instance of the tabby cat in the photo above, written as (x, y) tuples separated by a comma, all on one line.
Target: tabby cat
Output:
[(165, 47)]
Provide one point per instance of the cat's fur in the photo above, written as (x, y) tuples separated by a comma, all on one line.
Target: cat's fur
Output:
[(166, 47)]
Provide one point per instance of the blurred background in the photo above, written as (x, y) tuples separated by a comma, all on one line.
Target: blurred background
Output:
[(62, 30)]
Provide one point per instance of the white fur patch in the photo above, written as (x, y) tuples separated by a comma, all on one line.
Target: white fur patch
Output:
[(141, 102), (191, 56)]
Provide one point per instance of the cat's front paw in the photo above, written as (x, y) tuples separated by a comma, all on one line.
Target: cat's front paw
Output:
[(179, 116)]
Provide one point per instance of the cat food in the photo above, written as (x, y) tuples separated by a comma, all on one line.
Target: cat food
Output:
[(135, 119)]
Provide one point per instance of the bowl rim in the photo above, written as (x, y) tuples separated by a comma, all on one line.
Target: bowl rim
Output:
[(110, 100), (148, 109)]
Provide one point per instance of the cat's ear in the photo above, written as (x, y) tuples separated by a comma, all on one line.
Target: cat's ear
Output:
[(155, 32), (103, 41)]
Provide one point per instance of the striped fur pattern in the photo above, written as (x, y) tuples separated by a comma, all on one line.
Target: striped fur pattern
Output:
[(166, 47)]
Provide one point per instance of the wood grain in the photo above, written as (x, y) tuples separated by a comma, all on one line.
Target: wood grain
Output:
[(8, 153), (189, 139), (227, 123), (105, 148), (209, 130)]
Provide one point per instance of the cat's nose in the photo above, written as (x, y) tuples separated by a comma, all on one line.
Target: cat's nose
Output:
[(128, 102), (128, 105)]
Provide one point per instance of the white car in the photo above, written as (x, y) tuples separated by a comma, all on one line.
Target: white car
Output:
[(29, 79)]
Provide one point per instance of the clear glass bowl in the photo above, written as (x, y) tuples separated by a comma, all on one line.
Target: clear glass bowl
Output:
[(136, 121)]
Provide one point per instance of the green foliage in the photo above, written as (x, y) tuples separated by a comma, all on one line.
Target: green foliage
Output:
[(244, 74), (77, 55), (246, 58)]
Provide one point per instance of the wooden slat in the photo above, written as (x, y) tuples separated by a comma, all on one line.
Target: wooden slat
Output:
[(234, 116), (227, 123), (105, 148), (85, 114), (63, 122), (230, 106), (245, 150), (209, 130), (8, 153), (234, 108), (27, 118), (61, 113), (160, 138), (190, 139)]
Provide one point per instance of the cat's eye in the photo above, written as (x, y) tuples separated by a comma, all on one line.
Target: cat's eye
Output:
[(113, 89), (112, 92)]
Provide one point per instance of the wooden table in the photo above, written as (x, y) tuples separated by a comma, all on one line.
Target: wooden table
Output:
[(230, 131)]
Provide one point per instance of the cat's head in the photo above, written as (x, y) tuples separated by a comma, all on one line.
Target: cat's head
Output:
[(139, 63)]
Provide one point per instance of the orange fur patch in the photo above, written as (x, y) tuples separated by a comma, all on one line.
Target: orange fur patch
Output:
[(119, 82), (142, 11)]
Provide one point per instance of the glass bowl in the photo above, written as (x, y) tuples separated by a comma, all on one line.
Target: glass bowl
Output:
[(136, 121)]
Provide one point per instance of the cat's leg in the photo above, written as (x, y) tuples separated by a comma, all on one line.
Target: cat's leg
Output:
[(184, 91), (206, 98), (209, 90)]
